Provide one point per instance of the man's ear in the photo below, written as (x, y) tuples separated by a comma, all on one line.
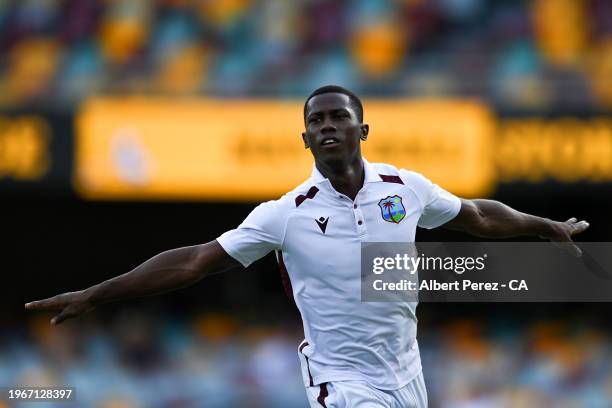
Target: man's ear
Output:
[(365, 129), (306, 146)]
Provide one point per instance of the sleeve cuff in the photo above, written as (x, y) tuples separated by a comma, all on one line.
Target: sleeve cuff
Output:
[(231, 251)]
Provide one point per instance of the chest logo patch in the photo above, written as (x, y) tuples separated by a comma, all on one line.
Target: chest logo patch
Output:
[(322, 223), (392, 209)]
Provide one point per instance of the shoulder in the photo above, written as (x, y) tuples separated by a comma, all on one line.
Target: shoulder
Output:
[(385, 169), (415, 179), (408, 177), (420, 185), (291, 200), (309, 189)]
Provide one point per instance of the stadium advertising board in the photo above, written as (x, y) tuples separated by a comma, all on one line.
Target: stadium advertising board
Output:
[(252, 150), (563, 149), (199, 149), (35, 151)]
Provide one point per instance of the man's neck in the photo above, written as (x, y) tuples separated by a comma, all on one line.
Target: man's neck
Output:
[(346, 178)]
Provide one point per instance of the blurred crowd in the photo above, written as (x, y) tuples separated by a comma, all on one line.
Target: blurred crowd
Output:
[(150, 361), (517, 54)]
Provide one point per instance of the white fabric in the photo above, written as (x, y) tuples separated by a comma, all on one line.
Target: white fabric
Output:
[(347, 339), (360, 394)]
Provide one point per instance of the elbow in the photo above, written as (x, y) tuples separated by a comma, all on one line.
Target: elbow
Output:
[(475, 220), (482, 225), (198, 266), (208, 259), (186, 262), (479, 227), (485, 230)]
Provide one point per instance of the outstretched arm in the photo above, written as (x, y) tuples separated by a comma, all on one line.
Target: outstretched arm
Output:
[(170, 270), (492, 219)]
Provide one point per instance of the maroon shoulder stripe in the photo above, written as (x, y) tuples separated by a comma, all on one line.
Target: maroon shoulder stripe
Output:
[(323, 393), (391, 179), (310, 194)]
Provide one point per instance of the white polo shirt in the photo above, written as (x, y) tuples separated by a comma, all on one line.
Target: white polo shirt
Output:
[(317, 233)]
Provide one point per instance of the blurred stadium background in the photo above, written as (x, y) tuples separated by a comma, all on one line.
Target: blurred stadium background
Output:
[(128, 128)]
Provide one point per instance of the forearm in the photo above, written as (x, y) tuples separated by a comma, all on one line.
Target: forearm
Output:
[(170, 270), (167, 271), (497, 220)]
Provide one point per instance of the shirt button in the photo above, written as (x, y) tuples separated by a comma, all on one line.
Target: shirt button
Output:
[(359, 222), (354, 205)]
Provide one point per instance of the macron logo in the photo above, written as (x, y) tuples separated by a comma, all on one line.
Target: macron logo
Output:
[(322, 223)]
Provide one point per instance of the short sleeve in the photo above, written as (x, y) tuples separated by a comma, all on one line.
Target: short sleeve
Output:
[(261, 232), (439, 206)]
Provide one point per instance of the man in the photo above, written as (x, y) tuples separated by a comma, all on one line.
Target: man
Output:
[(355, 354)]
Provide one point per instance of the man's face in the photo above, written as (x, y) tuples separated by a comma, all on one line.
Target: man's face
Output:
[(333, 130)]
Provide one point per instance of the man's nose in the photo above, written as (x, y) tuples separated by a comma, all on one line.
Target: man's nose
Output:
[(328, 127)]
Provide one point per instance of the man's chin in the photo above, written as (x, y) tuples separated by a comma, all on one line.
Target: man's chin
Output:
[(334, 159), (331, 156)]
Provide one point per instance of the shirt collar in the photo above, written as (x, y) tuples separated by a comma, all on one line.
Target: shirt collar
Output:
[(370, 174)]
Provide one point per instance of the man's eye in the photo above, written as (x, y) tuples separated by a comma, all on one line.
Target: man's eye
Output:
[(314, 120)]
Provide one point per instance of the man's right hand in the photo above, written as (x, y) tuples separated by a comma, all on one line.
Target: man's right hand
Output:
[(170, 270), (69, 305)]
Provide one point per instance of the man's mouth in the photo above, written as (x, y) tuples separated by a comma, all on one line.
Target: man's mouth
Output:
[(330, 141)]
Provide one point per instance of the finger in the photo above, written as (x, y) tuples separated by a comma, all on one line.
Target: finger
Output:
[(571, 220), (61, 317), (579, 227), (569, 247), (574, 250), (45, 304)]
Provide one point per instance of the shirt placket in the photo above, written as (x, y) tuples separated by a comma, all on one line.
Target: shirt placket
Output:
[(358, 218)]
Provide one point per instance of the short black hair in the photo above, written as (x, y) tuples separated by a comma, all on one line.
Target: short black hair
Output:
[(353, 99)]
